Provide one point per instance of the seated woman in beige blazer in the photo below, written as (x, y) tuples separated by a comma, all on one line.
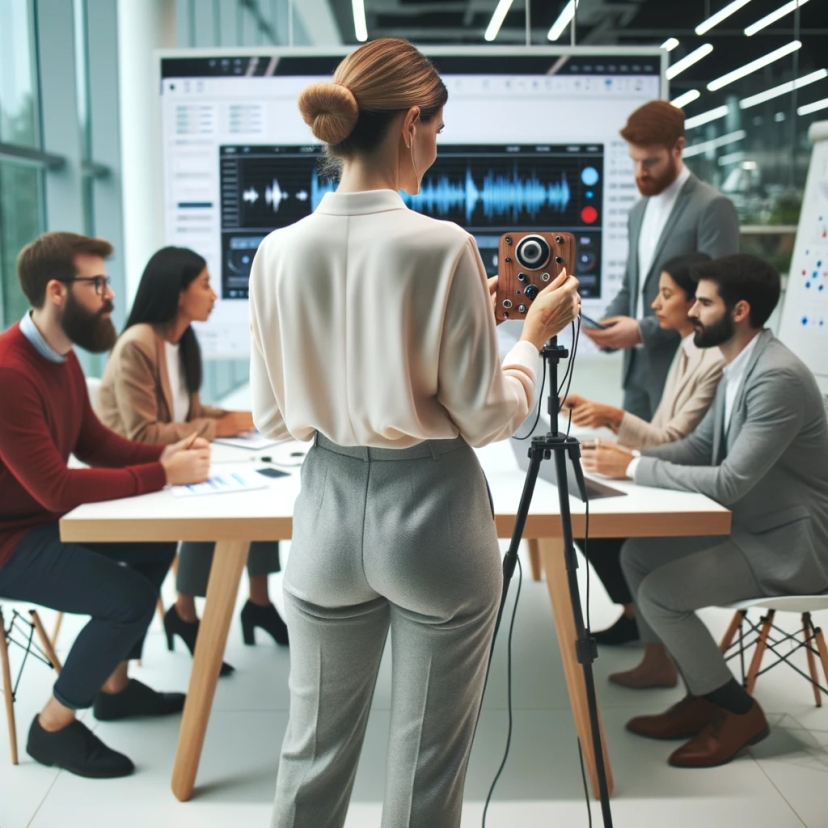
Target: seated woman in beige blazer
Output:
[(688, 393), (149, 392)]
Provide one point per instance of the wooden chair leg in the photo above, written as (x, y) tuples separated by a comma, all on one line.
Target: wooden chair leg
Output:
[(56, 630), (44, 641), (7, 691), (761, 645), (738, 618), (823, 650), (808, 637), (159, 604), (535, 559)]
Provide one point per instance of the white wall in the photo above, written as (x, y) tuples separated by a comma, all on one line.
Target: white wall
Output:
[(143, 27)]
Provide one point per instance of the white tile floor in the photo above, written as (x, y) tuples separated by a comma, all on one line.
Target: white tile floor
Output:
[(781, 783)]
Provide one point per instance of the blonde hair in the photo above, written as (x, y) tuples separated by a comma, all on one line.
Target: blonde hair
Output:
[(370, 87)]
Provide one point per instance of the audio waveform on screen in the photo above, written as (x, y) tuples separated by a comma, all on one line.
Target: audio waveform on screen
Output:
[(274, 195), (499, 195)]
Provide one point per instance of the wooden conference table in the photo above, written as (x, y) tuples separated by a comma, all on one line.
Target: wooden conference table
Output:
[(234, 520)]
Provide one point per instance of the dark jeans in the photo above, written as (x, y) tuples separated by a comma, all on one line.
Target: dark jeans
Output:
[(605, 556), (90, 580)]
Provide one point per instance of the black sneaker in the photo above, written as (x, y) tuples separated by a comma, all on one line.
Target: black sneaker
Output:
[(136, 700), (622, 631), (78, 750)]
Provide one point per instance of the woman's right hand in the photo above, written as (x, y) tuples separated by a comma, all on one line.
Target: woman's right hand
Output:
[(554, 308)]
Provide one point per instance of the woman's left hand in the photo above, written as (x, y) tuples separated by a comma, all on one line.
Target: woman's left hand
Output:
[(607, 458), (493, 297)]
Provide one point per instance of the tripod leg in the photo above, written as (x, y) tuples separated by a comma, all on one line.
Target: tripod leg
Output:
[(7, 691), (554, 564), (535, 559)]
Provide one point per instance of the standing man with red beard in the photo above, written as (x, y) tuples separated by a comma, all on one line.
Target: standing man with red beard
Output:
[(45, 416), (678, 214)]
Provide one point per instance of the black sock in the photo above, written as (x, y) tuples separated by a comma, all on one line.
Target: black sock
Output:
[(731, 696)]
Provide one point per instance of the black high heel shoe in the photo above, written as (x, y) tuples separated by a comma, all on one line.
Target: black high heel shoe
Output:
[(174, 625), (267, 617)]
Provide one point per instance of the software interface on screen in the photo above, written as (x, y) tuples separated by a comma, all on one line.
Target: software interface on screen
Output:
[(531, 142)]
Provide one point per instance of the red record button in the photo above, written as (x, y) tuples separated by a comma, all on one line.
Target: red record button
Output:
[(589, 215)]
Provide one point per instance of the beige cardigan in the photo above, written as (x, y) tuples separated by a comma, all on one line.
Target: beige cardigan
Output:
[(135, 397), (683, 405)]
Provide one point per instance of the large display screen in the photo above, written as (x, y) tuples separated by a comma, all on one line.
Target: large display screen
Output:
[(531, 142)]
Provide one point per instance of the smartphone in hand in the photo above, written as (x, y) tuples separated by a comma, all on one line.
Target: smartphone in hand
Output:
[(591, 323)]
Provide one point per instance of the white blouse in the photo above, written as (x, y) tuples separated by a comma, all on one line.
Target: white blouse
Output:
[(372, 324), (178, 382)]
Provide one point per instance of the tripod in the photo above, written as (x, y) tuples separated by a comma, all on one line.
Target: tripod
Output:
[(542, 448)]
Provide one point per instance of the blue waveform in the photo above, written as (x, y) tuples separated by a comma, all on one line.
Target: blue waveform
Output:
[(318, 190), (498, 195)]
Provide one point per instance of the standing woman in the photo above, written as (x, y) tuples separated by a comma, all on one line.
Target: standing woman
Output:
[(374, 336), (150, 393)]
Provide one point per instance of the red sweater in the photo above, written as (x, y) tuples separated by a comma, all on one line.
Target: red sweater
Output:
[(45, 416)]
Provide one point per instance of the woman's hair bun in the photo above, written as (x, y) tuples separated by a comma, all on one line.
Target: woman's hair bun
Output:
[(330, 110)]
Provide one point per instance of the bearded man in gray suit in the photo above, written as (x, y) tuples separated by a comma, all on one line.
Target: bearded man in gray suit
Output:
[(677, 215), (762, 451)]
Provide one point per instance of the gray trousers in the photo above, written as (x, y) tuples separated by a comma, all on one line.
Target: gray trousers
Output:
[(196, 557), (387, 539), (669, 579)]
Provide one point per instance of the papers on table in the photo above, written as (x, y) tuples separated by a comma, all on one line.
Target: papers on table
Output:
[(251, 440), (227, 481)]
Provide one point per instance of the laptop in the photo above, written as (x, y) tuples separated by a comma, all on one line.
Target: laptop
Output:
[(548, 471)]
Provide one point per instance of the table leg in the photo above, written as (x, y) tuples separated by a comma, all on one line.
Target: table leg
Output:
[(552, 557), (535, 558), (222, 588)]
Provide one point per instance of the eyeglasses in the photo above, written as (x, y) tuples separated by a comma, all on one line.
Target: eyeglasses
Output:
[(100, 282)]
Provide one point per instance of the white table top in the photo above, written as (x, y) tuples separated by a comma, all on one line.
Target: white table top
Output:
[(266, 514)]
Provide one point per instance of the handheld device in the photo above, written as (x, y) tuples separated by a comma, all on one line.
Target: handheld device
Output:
[(528, 262), (591, 323)]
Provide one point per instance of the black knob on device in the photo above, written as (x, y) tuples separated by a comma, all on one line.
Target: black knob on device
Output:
[(531, 292)]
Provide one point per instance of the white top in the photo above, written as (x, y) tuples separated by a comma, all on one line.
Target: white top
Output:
[(372, 324), (178, 383), (734, 376), (656, 213)]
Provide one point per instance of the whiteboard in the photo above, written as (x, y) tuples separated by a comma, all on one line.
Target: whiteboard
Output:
[(804, 326)]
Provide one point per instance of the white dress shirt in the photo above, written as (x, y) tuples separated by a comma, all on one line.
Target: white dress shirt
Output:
[(372, 324), (734, 376), (178, 382), (656, 213)]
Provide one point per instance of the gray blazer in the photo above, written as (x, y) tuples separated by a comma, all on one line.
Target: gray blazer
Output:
[(702, 221), (770, 469)]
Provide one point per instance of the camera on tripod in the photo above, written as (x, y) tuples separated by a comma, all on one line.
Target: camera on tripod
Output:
[(528, 262)]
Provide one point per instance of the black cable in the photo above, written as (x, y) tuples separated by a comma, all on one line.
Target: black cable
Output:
[(583, 776), (537, 418), (508, 692)]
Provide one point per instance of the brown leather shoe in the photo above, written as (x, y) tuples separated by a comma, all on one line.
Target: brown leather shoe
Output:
[(687, 718), (725, 735), (656, 669)]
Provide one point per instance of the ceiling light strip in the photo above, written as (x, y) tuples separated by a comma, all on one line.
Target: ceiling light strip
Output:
[(498, 17), (360, 26), (722, 14), (706, 117), (773, 17), (754, 65), (686, 98), (783, 88), (812, 107), (564, 19), (688, 60), (715, 143)]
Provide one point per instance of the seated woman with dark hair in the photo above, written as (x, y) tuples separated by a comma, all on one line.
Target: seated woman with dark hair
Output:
[(150, 393), (688, 393)]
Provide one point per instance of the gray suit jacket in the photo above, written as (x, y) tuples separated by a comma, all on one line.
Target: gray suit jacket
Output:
[(770, 469), (702, 221)]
